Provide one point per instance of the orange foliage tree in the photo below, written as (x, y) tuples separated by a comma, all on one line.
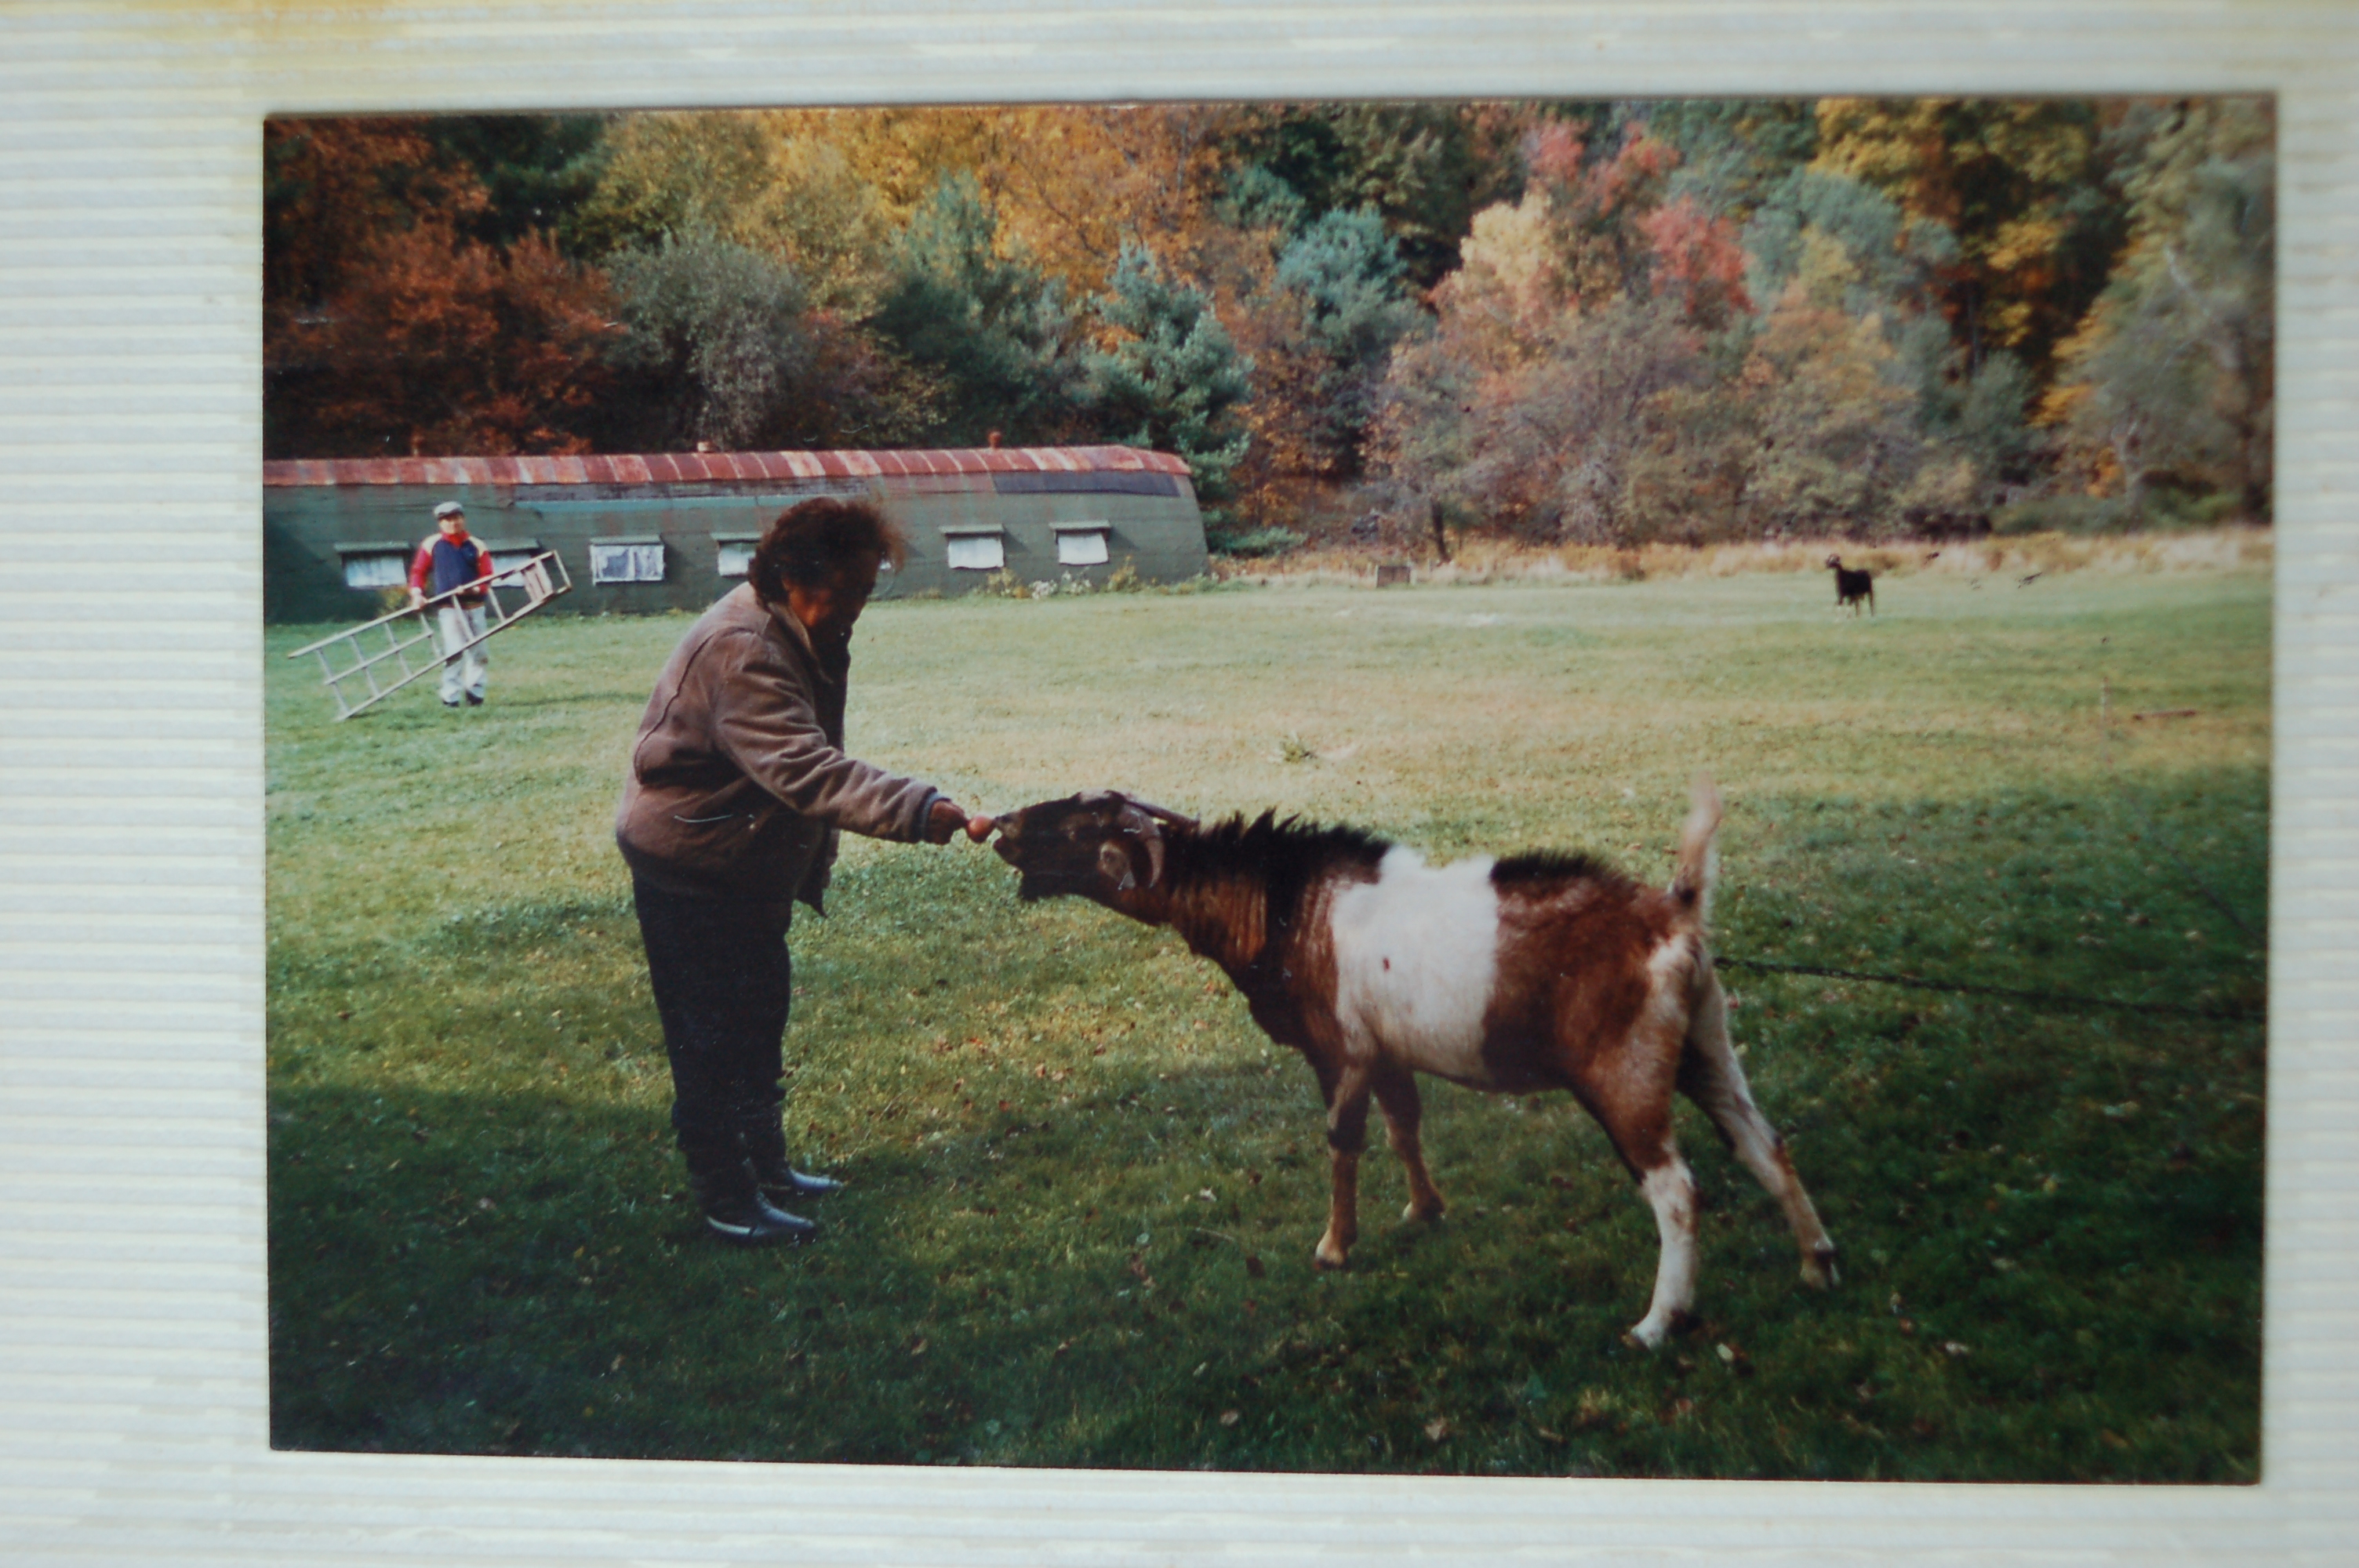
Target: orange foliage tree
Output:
[(386, 332)]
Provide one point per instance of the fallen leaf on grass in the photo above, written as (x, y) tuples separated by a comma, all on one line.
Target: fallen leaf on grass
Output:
[(1438, 1428), (1229, 1418)]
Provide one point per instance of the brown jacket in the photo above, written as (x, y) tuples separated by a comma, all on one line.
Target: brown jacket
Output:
[(738, 782)]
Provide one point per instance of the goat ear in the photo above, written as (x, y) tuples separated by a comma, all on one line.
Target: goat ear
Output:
[(1114, 864)]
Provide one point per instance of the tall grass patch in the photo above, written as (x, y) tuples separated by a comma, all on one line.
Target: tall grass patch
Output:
[(1085, 1188)]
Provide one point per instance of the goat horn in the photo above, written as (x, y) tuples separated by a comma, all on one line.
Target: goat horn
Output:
[(1162, 813)]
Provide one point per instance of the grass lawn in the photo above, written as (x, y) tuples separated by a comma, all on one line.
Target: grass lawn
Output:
[(1085, 1188)]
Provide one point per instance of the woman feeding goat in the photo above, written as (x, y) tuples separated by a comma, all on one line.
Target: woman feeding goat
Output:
[(737, 789), (1533, 972)]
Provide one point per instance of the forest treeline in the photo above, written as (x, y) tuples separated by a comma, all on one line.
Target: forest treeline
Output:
[(1608, 322)]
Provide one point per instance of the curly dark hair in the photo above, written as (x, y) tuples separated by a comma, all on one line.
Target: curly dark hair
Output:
[(810, 543)]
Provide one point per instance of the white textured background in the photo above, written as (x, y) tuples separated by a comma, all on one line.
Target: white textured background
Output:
[(133, 1403)]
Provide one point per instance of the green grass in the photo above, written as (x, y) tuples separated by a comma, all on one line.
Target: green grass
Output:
[(1085, 1188)]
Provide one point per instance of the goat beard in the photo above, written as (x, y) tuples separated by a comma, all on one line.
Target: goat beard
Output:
[(1037, 885)]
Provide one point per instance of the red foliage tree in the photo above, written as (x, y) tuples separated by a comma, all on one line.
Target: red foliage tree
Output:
[(386, 332), (1700, 259)]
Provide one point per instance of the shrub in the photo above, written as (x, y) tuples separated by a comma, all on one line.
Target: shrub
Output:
[(2063, 514), (1253, 542)]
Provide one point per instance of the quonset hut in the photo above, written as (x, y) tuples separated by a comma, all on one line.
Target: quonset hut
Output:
[(673, 531)]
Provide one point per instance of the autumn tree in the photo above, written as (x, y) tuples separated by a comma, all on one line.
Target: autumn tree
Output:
[(1572, 346), (439, 347), (2171, 376), (757, 178), (387, 331), (2020, 185), (332, 189), (1546, 444), (1856, 250), (1833, 445), (667, 174)]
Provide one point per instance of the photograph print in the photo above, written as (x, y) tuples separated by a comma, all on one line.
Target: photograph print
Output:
[(1542, 788)]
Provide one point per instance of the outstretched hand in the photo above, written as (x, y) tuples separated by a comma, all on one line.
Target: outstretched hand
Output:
[(943, 822)]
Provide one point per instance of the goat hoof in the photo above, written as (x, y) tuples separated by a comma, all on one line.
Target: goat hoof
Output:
[(1818, 1271), (1329, 1258), (1425, 1212), (1646, 1335)]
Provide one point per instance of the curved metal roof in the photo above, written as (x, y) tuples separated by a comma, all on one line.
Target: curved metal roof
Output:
[(678, 467)]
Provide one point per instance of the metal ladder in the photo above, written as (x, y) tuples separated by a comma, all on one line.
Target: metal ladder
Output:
[(356, 657)]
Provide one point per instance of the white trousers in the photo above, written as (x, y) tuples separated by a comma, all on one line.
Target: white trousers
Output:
[(462, 674)]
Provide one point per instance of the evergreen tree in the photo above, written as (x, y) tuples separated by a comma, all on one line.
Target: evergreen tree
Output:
[(1733, 152), (1170, 377), (1345, 272), (990, 329), (537, 170), (1424, 168)]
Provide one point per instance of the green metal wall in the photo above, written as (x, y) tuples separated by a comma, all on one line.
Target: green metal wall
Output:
[(1162, 536)]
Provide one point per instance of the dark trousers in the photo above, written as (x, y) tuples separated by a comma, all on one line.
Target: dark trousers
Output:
[(722, 981)]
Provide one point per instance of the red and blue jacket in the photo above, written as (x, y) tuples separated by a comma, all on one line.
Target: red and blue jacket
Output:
[(441, 566)]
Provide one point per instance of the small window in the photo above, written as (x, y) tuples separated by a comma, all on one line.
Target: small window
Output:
[(1081, 546), (735, 552), (376, 571), (626, 560), (383, 564), (977, 552)]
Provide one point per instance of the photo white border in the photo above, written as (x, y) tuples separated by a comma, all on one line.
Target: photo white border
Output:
[(133, 1409)]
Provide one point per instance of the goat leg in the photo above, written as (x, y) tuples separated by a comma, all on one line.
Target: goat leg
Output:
[(1347, 1134), (1670, 1190), (1397, 1096), (1710, 1076)]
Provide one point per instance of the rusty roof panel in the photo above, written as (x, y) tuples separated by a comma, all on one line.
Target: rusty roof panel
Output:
[(694, 467)]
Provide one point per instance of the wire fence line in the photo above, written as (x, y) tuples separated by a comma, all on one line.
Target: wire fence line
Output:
[(2052, 999), (2060, 999)]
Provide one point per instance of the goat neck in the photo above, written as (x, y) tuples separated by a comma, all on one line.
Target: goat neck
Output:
[(1222, 913)]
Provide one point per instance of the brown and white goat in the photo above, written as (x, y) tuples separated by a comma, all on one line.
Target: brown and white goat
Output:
[(1534, 972)]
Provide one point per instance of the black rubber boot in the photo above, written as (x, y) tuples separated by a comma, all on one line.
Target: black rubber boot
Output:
[(735, 1210), (750, 1221), (764, 1142)]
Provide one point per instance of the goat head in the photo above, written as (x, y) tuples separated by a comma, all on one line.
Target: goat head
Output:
[(1099, 844)]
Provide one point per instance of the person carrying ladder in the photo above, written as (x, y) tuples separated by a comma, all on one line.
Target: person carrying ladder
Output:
[(445, 560)]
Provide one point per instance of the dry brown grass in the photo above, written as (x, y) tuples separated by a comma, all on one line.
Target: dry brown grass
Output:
[(1479, 560)]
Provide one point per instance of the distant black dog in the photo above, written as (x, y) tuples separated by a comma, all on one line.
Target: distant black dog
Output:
[(1852, 587)]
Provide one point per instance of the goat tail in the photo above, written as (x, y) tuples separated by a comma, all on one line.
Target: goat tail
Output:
[(1691, 884)]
